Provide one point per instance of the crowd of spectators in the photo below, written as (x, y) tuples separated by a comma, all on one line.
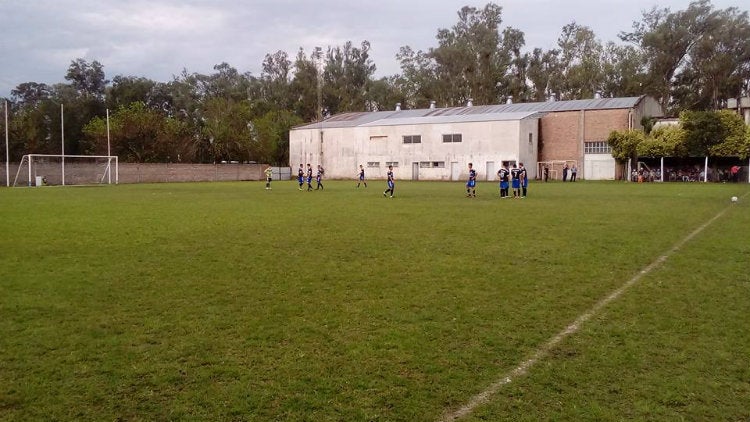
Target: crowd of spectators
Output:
[(685, 174)]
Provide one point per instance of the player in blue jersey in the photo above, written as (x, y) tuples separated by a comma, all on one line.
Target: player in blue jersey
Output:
[(524, 179), (301, 176), (504, 176), (391, 182), (309, 177), (471, 191), (361, 176), (515, 180), (319, 178)]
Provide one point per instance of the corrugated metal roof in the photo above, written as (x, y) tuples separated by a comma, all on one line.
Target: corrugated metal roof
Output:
[(505, 112)]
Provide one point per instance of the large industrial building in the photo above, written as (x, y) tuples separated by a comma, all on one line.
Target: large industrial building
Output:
[(439, 143)]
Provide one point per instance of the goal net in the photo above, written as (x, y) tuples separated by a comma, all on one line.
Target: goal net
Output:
[(49, 169)]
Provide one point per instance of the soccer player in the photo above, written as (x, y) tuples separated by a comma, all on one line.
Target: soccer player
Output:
[(504, 175), (524, 180), (301, 176), (361, 176), (269, 177), (391, 182), (309, 177), (471, 191), (318, 177), (515, 180)]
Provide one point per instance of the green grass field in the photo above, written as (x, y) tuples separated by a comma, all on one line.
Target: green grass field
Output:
[(225, 301)]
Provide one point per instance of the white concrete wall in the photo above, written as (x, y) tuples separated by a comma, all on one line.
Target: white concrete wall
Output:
[(344, 149)]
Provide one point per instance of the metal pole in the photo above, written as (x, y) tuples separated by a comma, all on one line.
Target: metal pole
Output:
[(62, 140), (705, 171), (661, 175), (109, 160), (7, 157)]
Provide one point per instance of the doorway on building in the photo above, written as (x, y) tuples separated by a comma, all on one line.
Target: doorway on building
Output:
[(490, 170), (455, 171), (414, 171)]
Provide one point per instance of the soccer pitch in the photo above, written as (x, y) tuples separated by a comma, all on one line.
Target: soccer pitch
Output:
[(226, 301)]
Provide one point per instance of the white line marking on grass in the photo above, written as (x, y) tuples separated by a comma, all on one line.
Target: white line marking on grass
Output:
[(544, 350)]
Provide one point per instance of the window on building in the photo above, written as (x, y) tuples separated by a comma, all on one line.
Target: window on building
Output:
[(412, 139), (372, 164), (391, 163), (379, 138), (452, 137), (432, 164), (597, 147)]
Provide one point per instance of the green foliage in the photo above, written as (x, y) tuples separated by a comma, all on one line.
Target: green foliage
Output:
[(703, 130), (736, 142), (140, 134), (625, 143), (665, 141), (271, 136)]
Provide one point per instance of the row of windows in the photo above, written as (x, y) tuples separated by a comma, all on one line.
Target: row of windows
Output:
[(432, 164), (417, 139), (422, 164), (375, 164), (598, 147)]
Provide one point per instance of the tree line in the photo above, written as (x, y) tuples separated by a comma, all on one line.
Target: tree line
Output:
[(689, 60)]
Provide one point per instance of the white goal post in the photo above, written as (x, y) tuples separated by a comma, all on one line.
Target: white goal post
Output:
[(61, 169)]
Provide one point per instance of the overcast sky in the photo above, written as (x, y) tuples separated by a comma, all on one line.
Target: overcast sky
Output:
[(159, 38)]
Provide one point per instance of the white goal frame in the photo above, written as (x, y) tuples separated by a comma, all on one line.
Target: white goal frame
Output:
[(106, 176)]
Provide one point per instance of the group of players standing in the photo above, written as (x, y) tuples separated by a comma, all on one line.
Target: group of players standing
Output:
[(318, 178), (515, 178)]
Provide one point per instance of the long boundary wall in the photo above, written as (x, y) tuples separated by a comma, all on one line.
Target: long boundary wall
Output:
[(76, 173)]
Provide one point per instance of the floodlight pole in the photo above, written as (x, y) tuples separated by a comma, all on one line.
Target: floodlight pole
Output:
[(109, 160), (62, 140), (7, 157)]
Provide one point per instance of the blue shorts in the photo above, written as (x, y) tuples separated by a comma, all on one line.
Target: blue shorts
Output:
[(516, 184), (300, 179), (503, 185), (471, 183), (309, 179), (390, 184)]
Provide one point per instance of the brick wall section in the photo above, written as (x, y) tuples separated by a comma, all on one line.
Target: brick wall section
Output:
[(76, 173), (563, 133)]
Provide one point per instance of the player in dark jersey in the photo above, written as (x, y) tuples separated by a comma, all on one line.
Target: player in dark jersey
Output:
[(309, 177), (319, 177), (391, 182), (301, 176), (504, 176), (515, 180), (524, 179), (361, 176), (471, 191)]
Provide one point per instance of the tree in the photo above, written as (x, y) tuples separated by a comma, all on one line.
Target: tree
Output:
[(703, 130), (271, 137), (665, 141), (87, 79), (228, 129), (140, 134), (580, 71), (735, 141), (625, 144)]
